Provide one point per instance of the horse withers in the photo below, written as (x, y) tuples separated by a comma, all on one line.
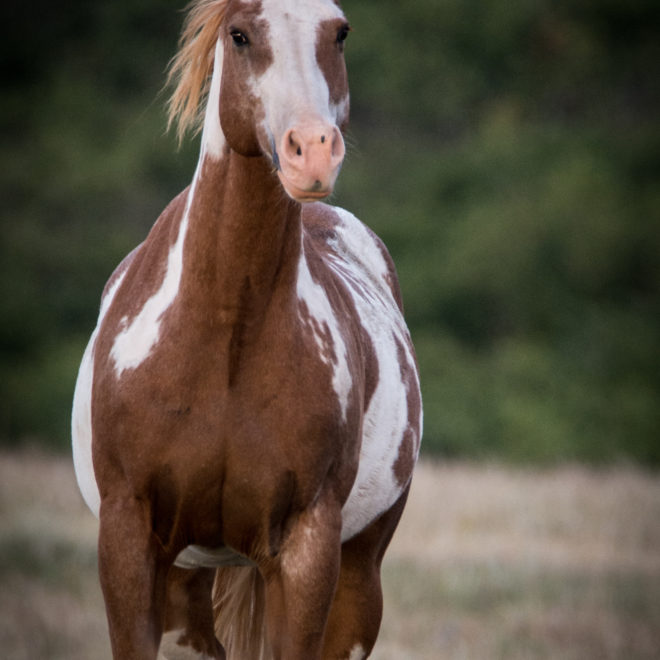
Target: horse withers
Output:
[(247, 414)]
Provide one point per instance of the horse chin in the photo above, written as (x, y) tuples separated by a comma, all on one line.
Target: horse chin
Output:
[(302, 195)]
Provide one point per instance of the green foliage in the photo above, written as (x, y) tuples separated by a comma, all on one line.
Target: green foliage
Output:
[(86, 170), (507, 153)]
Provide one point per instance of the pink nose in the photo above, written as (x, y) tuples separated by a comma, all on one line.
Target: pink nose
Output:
[(310, 158)]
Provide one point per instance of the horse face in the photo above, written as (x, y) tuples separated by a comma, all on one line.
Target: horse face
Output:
[(284, 90)]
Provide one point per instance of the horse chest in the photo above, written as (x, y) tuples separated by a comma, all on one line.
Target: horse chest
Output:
[(217, 391), (334, 381)]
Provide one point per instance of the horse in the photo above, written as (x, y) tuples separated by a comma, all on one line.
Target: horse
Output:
[(247, 413)]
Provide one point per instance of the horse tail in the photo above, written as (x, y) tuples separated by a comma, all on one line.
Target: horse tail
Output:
[(239, 608)]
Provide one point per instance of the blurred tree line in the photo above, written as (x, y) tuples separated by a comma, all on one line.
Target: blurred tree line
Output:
[(507, 152)]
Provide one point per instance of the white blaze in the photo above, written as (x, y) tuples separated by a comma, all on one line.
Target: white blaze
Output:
[(293, 87)]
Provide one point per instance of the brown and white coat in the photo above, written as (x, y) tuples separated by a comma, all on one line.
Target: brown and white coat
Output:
[(248, 404)]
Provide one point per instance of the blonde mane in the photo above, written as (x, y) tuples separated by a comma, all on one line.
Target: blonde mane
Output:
[(191, 68)]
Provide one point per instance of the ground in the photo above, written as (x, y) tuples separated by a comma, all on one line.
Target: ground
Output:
[(488, 562)]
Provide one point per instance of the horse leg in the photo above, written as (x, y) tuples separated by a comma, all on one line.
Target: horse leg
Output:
[(133, 579), (300, 588), (189, 616), (358, 604)]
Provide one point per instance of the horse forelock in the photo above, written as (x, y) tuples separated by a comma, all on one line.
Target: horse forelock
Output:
[(191, 68)]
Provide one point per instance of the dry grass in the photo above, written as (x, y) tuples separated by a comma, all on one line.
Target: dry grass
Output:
[(493, 562), (488, 562), (50, 601)]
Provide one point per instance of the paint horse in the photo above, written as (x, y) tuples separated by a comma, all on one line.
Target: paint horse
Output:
[(247, 413)]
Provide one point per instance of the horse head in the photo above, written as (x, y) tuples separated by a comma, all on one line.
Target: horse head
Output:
[(278, 87)]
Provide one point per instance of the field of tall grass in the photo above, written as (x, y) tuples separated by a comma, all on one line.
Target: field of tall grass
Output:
[(488, 562)]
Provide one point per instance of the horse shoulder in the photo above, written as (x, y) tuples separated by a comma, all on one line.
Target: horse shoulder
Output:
[(340, 232), (112, 292), (143, 286), (146, 256)]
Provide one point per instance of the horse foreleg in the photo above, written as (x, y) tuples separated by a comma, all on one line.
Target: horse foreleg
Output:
[(358, 604), (132, 578), (299, 591)]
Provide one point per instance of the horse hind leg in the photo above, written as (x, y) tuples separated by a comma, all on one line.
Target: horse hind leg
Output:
[(189, 622), (357, 608)]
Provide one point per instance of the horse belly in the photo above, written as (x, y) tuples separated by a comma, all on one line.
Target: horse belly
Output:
[(81, 415), (387, 422), (392, 422), (81, 430)]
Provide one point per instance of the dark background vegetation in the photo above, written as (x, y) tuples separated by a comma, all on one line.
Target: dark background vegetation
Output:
[(507, 152)]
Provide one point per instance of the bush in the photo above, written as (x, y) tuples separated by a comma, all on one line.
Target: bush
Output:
[(508, 154)]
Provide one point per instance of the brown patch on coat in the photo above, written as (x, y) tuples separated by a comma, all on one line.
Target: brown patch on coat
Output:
[(330, 58), (241, 113), (247, 18), (189, 610), (409, 447)]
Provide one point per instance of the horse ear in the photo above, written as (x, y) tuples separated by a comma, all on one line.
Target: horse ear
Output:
[(191, 69)]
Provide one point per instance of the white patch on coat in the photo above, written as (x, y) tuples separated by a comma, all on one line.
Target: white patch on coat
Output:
[(294, 87), (81, 417), (340, 110), (170, 649), (305, 547), (300, 554), (213, 139), (322, 317), (135, 340), (359, 261), (357, 653)]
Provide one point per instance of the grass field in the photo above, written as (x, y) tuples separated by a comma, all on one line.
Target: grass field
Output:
[(488, 562)]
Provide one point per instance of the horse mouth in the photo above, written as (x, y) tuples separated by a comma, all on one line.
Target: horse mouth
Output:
[(312, 193)]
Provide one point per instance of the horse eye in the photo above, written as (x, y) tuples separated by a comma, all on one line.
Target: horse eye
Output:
[(239, 38), (343, 33)]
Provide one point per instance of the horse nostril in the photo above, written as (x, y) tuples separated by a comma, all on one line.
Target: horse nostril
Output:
[(322, 139), (294, 144)]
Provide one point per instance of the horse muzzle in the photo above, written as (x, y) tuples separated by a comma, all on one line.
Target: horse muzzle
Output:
[(309, 159)]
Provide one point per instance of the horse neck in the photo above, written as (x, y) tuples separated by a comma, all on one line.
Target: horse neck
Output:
[(243, 240)]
